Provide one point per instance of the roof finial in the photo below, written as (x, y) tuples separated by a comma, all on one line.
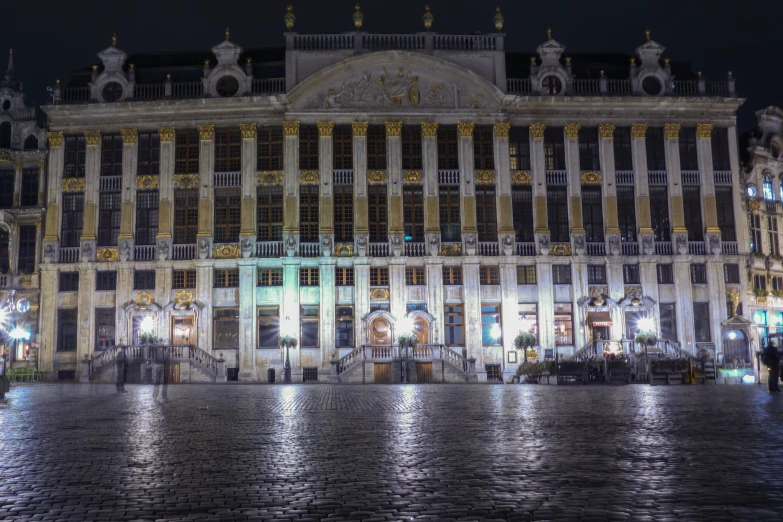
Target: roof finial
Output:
[(228, 34), (498, 19), (647, 33), (358, 17), (549, 33), (289, 17), (114, 40), (427, 18)]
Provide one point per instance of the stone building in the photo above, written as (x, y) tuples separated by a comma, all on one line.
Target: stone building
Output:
[(344, 188)]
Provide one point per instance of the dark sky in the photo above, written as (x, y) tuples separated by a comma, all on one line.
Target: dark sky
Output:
[(50, 38)]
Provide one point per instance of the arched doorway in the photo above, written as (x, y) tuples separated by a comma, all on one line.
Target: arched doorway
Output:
[(379, 330), (421, 329), (735, 347)]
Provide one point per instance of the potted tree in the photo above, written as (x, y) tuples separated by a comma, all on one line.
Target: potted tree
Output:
[(407, 340), (770, 357), (287, 341), (524, 341), (646, 339)]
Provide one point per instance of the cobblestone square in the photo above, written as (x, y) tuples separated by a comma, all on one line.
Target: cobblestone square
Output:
[(437, 452)]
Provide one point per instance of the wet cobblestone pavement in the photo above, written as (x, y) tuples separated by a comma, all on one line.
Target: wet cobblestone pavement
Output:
[(437, 452)]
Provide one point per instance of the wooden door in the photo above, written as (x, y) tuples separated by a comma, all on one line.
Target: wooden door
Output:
[(423, 372), (421, 328), (383, 373), (182, 330), (172, 373), (380, 331)]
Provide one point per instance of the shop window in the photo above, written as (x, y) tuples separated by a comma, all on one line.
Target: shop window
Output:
[(268, 326), (226, 328), (309, 333), (564, 324), (490, 325), (344, 327), (528, 318), (105, 320), (454, 325)]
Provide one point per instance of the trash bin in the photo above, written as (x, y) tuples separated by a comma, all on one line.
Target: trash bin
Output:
[(270, 375)]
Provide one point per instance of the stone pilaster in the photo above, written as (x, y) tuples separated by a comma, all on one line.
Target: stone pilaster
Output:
[(123, 295), (509, 310), (325, 204), (505, 214), (434, 268), (397, 288), (574, 181), (716, 285), (203, 293), (429, 156), (247, 320), (609, 181), (53, 197), (740, 218), (92, 172), (166, 192), (42, 183), (649, 278), (247, 232), (467, 179), (85, 316), (290, 309), (360, 212), (291, 187), (538, 165), (710, 210), (684, 300), (580, 288), (361, 289), (206, 164), (130, 158), (472, 298), (642, 186), (394, 185), (326, 278), (47, 318), (672, 133), (17, 185), (546, 304)]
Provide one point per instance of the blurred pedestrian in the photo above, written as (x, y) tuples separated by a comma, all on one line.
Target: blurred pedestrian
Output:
[(122, 369)]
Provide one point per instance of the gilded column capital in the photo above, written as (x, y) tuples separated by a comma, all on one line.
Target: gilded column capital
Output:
[(248, 130), (502, 128), (206, 132), (639, 130), (429, 129), (92, 137), (393, 128), (606, 130), (572, 130), (325, 128), (672, 130), (537, 130), (359, 128), (465, 129), (166, 133), (704, 130), (55, 138), (128, 135), (291, 128), (18, 169)]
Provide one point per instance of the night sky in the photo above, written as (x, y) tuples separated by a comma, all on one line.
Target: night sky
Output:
[(52, 38)]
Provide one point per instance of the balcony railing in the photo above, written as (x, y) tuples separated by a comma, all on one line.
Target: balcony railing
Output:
[(415, 249), (482, 42), (309, 249), (663, 248), (379, 249), (730, 248), (268, 85), (615, 87), (343, 177), (557, 177), (384, 42), (686, 87), (110, 183), (488, 248), (187, 89), (144, 253), (76, 95), (629, 249), (691, 177), (184, 251), (624, 177), (657, 177), (723, 177), (149, 91), (518, 86), (596, 249), (696, 248), (227, 179), (718, 88), (589, 87), (448, 177), (525, 249), (269, 249), (69, 254)]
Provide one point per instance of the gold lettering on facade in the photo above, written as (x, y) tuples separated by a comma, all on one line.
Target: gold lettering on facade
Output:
[(225, 252)]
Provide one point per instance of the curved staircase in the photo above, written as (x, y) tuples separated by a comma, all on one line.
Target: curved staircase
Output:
[(103, 366)]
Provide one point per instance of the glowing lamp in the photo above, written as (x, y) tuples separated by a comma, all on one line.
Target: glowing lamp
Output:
[(732, 335), (20, 334), (646, 324), (494, 331), (404, 326), (748, 379), (147, 325)]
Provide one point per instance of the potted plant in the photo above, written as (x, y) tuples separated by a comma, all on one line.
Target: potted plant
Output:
[(146, 338), (770, 357), (759, 292), (524, 341), (778, 292), (287, 341), (530, 371), (647, 339), (407, 340)]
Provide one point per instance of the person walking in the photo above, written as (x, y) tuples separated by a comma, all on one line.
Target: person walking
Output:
[(122, 368)]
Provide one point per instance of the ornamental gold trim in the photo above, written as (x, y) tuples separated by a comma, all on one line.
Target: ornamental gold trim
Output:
[(379, 294), (248, 130), (184, 297), (537, 130), (185, 181), (206, 132), (572, 130), (359, 128), (92, 137), (72, 185), (291, 128), (269, 177), (144, 298), (377, 176), (521, 177), (639, 130), (308, 176), (55, 138), (393, 128), (5, 157), (591, 178), (225, 252), (560, 249), (429, 129), (108, 254), (485, 176), (166, 133), (465, 128), (761, 300), (147, 182), (325, 128), (672, 130), (128, 135), (704, 130), (343, 250), (454, 249), (502, 128), (412, 176), (754, 204), (606, 130)]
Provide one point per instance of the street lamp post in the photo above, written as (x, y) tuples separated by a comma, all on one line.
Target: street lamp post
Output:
[(287, 340)]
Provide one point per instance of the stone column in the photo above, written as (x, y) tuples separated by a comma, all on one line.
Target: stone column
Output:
[(203, 294), (130, 156), (472, 299), (429, 156), (361, 299), (290, 309), (546, 304), (649, 279), (17, 185), (206, 166), (505, 214), (92, 172), (42, 182), (397, 289), (361, 230), (710, 210), (580, 289), (509, 310), (247, 320), (609, 185), (325, 203), (291, 187), (538, 165), (326, 278), (684, 299), (53, 199), (642, 186), (38, 239), (672, 133), (716, 285), (394, 186), (166, 192), (434, 268), (124, 295), (740, 218), (574, 183), (247, 232), (85, 315), (467, 180), (47, 318)]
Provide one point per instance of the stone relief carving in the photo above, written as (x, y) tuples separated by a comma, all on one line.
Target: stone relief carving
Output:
[(647, 244), (714, 245), (508, 245), (86, 252), (163, 249), (246, 247), (434, 244), (543, 244), (361, 246), (290, 246), (125, 251), (396, 245), (579, 244), (49, 253), (614, 245), (203, 248), (326, 245), (682, 245), (471, 242)]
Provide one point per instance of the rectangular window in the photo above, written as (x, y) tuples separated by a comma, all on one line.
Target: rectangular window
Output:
[(564, 324), (269, 213), (73, 220), (519, 148), (561, 274), (109, 217), (343, 276), (66, 330), (720, 149), (701, 322), (413, 213), (376, 147), (623, 149), (486, 213), (69, 282), (309, 334), (631, 275), (592, 214), (105, 321), (449, 210), (308, 147), (448, 147), (26, 259), (270, 277), (343, 213), (226, 327), (659, 212), (227, 215), (268, 326), (731, 273), (186, 152), (269, 148), (452, 275), (308, 276), (526, 275), (75, 156), (665, 274), (5, 262), (557, 214), (554, 149), (144, 280), (183, 279), (148, 154), (490, 325), (689, 155), (185, 216), (668, 321), (342, 147), (30, 177), (7, 181), (308, 213), (111, 155), (596, 274), (146, 217), (415, 275), (522, 210), (589, 151), (454, 325), (106, 280), (656, 149), (344, 327), (483, 148), (228, 150), (626, 210), (698, 274), (754, 220), (489, 275), (379, 276), (226, 278), (378, 213), (777, 283), (411, 147), (760, 281), (725, 209), (691, 202), (772, 235)]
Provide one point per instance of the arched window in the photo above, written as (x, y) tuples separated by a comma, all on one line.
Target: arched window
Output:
[(5, 135), (767, 188), (31, 143)]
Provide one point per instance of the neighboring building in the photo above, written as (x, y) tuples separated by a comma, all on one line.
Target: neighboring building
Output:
[(345, 182), (22, 187)]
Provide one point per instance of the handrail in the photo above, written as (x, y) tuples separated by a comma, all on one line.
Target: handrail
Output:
[(155, 352), (663, 348)]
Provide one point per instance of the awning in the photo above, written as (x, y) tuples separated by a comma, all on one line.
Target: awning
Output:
[(599, 318)]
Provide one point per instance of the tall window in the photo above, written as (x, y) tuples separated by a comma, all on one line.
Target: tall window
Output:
[(689, 155), (183, 279), (26, 258), (148, 153), (665, 274), (626, 213), (269, 213), (698, 274), (448, 146), (111, 155), (589, 152), (342, 147), (379, 276), (30, 177), (105, 323), (731, 273), (522, 210), (564, 324), (450, 227), (413, 213), (106, 280), (5, 262), (490, 324), (720, 149), (623, 146), (376, 147), (631, 275), (226, 328), (146, 217), (691, 202), (489, 275), (454, 325), (75, 156), (228, 150), (343, 322), (701, 322), (668, 321), (73, 220), (554, 149), (268, 326), (185, 216), (186, 152), (755, 233), (766, 188), (519, 148), (343, 213), (227, 215), (592, 214), (483, 148), (486, 213), (378, 213), (66, 330), (144, 280), (659, 212), (269, 148), (309, 328), (415, 275), (557, 214), (110, 206), (596, 274), (656, 150), (411, 147), (308, 147), (452, 275), (308, 213), (225, 278), (68, 282), (528, 318), (308, 276), (772, 234), (7, 180)]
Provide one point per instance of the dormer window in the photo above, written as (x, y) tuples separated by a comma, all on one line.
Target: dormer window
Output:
[(227, 86), (751, 190), (652, 85), (767, 188), (6, 105), (112, 92), (551, 85)]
